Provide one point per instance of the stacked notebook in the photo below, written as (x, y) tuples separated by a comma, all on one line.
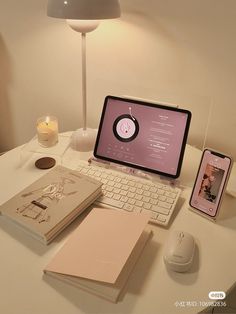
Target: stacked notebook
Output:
[(101, 253), (51, 203)]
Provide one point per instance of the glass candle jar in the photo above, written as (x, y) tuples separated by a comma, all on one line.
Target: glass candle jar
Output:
[(47, 131)]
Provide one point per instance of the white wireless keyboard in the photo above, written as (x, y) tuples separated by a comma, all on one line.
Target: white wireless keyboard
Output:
[(134, 194)]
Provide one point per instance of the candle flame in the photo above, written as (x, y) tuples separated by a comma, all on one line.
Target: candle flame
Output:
[(47, 120)]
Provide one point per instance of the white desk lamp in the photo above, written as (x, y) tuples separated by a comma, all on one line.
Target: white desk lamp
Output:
[(83, 16)]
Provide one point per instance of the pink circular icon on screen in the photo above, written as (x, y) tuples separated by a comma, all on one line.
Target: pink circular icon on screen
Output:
[(125, 128)]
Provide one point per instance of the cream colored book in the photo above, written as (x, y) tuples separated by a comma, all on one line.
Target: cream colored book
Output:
[(48, 205), (101, 253)]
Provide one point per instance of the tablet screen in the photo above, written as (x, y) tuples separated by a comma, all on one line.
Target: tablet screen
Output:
[(143, 135)]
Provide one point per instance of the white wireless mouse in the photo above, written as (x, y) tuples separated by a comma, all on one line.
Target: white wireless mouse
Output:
[(179, 251)]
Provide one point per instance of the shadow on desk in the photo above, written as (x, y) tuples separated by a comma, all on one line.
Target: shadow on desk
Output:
[(178, 207), (89, 303)]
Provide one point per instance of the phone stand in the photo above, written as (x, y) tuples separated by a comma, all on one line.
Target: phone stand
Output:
[(231, 186)]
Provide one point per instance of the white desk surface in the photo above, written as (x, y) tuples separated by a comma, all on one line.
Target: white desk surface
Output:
[(151, 289)]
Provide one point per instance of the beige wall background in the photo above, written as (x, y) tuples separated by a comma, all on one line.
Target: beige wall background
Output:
[(183, 52)]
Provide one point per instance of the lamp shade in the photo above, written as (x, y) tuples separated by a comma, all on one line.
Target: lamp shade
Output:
[(83, 9)]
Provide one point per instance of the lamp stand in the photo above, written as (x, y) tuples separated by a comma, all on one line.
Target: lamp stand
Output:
[(84, 138)]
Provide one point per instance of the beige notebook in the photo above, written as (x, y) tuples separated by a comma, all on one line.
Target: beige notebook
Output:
[(49, 204), (102, 252)]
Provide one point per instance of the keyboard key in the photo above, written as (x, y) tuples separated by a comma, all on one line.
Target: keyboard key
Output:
[(108, 188), (124, 199), (125, 187), (104, 181), (161, 218), (153, 189), (154, 215), (170, 200), (145, 187), (131, 201), (128, 207), (170, 194), (137, 209), (139, 185), (160, 210), (111, 202), (154, 196), (97, 174), (116, 197), (132, 189), (139, 191), (91, 172), (164, 205), (146, 193), (146, 199), (116, 191), (147, 206), (162, 198), (153, 201), (139, 203)]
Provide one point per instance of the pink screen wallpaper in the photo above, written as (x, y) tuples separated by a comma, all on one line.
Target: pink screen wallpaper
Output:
[(145, 136), (210, 183)]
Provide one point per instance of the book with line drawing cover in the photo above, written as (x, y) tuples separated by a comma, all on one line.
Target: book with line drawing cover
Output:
[(51, 203)]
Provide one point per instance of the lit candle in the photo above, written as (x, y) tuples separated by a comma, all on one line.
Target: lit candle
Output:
[(47, 130)]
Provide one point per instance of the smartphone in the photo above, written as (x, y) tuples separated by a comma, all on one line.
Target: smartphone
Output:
[(210, 183)]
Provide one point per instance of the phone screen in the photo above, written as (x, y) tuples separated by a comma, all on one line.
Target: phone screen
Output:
[(210, 182)]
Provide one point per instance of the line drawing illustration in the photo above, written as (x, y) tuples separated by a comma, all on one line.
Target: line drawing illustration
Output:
[(45, 197)]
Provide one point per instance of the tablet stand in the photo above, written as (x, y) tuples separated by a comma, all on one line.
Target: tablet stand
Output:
[(135, 172)]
